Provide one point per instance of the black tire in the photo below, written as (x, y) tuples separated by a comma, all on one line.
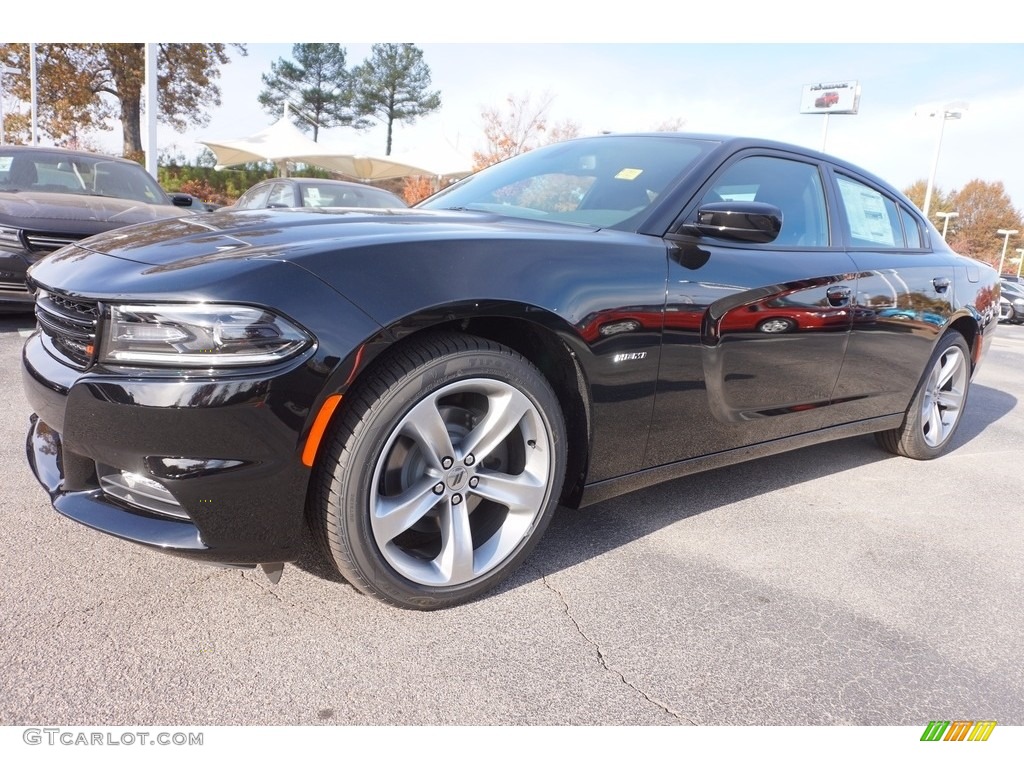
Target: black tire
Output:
[(465, 519), (935, 411)]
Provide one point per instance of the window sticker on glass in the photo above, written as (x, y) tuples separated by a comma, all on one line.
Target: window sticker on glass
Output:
[(628, 173), (867, 214), (5, 163)]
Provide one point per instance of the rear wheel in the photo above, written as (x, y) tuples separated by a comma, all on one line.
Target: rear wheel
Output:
[(443, 473), (934, 413)]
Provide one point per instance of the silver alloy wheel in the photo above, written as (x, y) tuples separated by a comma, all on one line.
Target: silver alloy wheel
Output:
[(776, 325), (460, 482), (943, 398)]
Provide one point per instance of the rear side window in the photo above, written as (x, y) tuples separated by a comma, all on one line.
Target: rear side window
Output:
[(872, 219), (911, 229)]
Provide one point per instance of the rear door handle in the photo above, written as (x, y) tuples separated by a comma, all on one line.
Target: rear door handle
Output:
[(838, 295), (941, 284)]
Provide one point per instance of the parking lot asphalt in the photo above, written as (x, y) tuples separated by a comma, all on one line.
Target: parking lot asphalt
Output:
[(832, 585)]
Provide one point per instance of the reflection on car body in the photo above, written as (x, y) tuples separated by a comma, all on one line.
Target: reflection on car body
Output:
[(424, 386), (301, 192)]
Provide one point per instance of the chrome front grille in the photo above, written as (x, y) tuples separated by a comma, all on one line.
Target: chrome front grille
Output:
[(70, 325), (49, 241)]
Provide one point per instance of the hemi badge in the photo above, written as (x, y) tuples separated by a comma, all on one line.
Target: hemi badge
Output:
[(624, 356)]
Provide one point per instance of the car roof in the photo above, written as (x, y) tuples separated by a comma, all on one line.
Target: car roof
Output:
[(729, 144), (21, 148), (318, 180)]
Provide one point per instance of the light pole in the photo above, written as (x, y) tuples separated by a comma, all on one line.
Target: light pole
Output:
[(1020, 261), (4, 70), (952, 111), (946, 217), (1006, 239)]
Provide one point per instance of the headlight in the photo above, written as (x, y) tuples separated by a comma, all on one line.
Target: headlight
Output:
[(198, 335)]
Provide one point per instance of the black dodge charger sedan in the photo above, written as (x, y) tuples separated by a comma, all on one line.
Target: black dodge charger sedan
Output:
[(424, 386), (52, 197)]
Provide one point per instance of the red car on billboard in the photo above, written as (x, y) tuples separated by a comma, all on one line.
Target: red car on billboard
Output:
[(827, 99)]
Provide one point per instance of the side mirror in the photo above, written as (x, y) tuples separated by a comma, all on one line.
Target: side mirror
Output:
[(182, 201), (743, 221)]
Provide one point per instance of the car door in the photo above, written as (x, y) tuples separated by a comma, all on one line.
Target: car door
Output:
[(904, 298), (755, 334)]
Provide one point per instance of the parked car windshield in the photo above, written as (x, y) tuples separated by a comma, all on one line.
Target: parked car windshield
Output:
[(606, 182), (28, 170)]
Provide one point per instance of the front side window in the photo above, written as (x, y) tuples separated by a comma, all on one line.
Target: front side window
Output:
[(793, 187)]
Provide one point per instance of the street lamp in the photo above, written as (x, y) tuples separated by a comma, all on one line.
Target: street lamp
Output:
[(946, 217), (1020, 261), (4, 70), (1006, 239), (952, 111)]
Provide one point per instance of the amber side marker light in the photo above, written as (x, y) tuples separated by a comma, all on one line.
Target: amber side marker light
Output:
[(316, 434)]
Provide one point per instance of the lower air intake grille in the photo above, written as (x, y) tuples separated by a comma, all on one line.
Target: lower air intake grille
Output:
[(70, 324), (140, 491)]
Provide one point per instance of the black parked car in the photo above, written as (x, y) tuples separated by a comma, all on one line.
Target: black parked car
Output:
[(425, 386), (1011, 302), (51, 197), (316, 193)]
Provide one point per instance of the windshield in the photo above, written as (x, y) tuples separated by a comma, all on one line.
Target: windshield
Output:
[(42, 171), (606, 181)]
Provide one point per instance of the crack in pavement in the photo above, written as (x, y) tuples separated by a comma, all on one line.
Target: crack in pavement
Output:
[(87, 610), (679, 716), (259, 585)]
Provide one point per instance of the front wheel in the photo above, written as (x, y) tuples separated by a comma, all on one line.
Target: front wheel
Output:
[(938, 405), (443, 472)]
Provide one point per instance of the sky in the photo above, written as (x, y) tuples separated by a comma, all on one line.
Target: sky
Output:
[(636, 73)]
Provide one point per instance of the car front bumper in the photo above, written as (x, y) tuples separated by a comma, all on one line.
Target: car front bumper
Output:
[(223, 453), (15, 295)]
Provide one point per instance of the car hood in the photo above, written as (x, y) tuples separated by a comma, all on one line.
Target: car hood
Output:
[(288, 234), (79, 214)]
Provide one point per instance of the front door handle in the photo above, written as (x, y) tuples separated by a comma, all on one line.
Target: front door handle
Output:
[(941, 284), (838, 295)]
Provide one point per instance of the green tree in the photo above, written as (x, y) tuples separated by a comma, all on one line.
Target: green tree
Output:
[(83, 85), (393, 86), (316, 83)]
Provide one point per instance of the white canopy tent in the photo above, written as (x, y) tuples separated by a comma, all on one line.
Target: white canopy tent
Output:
[(282, 142), (277, 143), (364, 167)]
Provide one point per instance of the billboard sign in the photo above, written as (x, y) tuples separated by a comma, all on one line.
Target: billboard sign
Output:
[(834, 97)]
